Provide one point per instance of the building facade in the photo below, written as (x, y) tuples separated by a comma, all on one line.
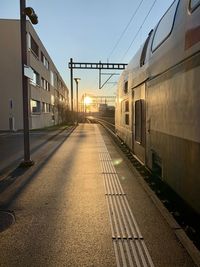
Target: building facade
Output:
[(48, 94)]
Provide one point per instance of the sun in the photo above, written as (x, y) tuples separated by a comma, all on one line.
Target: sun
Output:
[(87, 100)]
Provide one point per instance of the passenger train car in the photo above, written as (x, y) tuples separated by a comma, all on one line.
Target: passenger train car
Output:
[(158, 101)]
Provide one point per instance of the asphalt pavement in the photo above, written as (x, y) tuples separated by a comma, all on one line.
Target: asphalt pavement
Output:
[(12, 149)]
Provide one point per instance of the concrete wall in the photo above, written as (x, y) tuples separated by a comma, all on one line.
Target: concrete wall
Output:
[(11, 84), (10, 74)]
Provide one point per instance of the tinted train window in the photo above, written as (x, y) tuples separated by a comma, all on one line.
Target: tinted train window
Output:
[(194, 4), (144, 50), (127, 119), (127, 106), (165, 26), (126, 112), (126, 87)]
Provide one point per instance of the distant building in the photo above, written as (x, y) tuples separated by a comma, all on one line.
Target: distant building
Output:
[(105, 110), (48, 94), (102, 108)]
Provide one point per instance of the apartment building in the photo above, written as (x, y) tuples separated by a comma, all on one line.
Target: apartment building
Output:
[(48, 94)]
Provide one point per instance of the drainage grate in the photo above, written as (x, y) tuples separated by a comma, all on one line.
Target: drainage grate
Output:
[(129, 246)]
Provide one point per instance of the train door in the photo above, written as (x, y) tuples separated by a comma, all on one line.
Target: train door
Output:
[(139, 119)]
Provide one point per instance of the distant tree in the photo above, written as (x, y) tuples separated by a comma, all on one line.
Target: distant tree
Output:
[(63, 112)]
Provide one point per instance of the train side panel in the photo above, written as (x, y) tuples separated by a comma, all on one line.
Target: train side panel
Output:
[(173, 136), (164, 91)]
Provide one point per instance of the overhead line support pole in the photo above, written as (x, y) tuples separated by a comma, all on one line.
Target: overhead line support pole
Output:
[(100, 66), (99, 75), (71, 75)]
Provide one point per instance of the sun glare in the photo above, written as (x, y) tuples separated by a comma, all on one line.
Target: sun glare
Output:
[(87, 100)]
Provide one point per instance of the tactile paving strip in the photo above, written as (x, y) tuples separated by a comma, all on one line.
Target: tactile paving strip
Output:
[(128, 242)]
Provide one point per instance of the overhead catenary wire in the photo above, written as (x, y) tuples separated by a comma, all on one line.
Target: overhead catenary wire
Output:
[(139, 29), (125, 29)]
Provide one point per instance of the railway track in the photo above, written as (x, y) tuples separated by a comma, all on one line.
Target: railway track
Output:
[(185, 217)]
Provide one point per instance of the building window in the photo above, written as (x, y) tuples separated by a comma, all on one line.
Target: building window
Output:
[(28, 36), (139, 121), (44, 61), (52, 78), (34, 47), (194, 4), (56, 81), (165, 26), (52, 99), (126, 87), (57, 94), (47, 107), (45, 84), (35, 106), (43, 107), (36, 78)]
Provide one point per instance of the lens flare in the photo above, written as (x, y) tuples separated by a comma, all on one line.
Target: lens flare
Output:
[(117, 161)]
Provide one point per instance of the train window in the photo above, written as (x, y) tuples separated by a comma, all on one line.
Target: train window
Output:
[(140, 121), (127, 119), (194, 4), (126, 87), (125, 109), (127, 106), (165, 26), (144, 50)]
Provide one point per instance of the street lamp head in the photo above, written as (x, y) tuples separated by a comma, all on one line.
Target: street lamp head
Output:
[(77, 79), (29, 11)]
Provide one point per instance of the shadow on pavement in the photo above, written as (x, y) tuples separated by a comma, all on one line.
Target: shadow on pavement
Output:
[(33, 149), (16, 181)]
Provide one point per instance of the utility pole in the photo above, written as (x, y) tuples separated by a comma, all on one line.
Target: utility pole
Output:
[(33, 17), (71, 75), (77, 80)]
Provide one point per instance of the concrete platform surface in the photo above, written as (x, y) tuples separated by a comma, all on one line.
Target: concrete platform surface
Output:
[(62, 216)]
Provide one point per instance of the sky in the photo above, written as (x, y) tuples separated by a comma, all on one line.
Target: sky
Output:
[(88, 31)]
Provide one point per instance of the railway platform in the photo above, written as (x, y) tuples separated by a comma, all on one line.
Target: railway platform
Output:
[(86, 206)]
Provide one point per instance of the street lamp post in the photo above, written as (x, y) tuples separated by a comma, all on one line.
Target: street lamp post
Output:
[(25, 11), (77, 80)]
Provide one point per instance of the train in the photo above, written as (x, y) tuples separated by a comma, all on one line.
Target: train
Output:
[(158, 101)]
